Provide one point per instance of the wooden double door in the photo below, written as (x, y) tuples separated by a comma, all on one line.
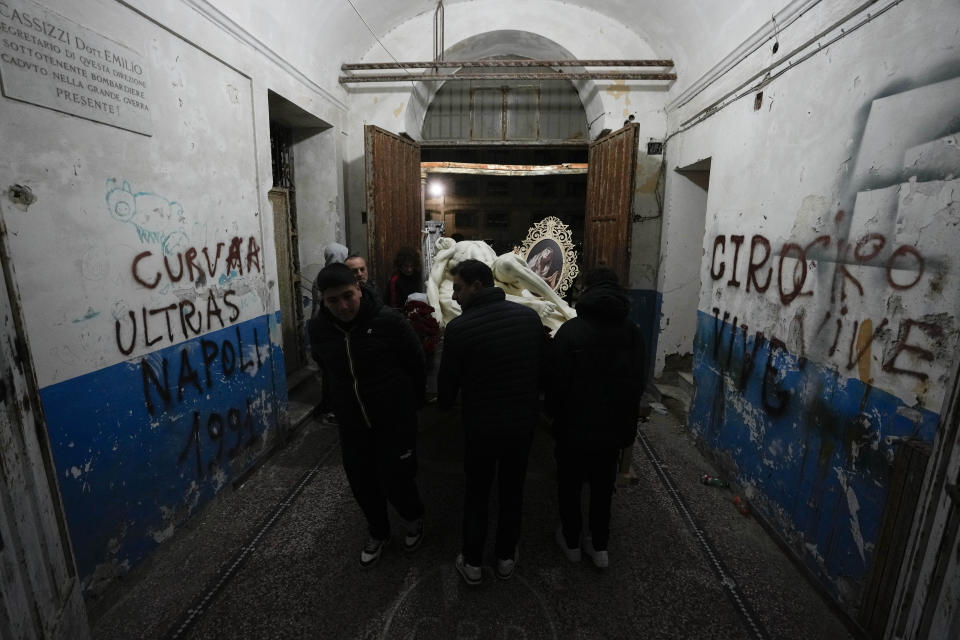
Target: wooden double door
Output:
[(395, 216)]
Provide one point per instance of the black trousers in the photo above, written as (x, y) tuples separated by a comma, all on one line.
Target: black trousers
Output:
[(381, 467), (484, 457), (599, 469)]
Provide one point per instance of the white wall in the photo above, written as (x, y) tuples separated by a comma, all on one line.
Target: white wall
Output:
[(110, 205), (319, 181), (682, 248), (784, 171), (321, 34), (840, 191)]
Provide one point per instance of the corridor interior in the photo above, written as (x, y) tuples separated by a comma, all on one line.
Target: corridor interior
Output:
[(774, 182), (277, 558)]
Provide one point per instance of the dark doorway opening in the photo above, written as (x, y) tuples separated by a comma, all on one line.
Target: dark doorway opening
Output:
[(500, 209), (295, 145)]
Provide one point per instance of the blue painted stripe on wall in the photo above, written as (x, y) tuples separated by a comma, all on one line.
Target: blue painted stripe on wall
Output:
[(132, 464), (645, 311), (816, 445)]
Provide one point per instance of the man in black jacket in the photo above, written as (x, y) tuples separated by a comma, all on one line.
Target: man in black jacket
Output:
[(599, 373), (375, 366), (493, 354)]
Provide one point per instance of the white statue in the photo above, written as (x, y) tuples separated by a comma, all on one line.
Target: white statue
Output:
[(510, 272)]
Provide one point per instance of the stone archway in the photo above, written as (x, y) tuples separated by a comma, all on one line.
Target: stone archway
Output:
[(503, 43)]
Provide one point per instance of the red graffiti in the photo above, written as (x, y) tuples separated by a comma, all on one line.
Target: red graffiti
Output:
[(758, 241), (226, 359), (932, 330), (736, 240), (188, 266), (904, 251), (797, 278), (190, 321), (792, 280), (718, 242), (774, 396)]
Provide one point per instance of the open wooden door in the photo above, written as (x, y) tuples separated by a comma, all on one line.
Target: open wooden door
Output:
[(394, 200), (927, 601), (612, 166), (288, 281), (40, 593)]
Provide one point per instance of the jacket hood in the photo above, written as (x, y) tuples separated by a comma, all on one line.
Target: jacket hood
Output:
[(334, 252), (604, 303)]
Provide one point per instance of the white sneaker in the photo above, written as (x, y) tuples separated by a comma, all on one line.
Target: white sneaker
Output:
[(414, 535), (573, 554), (372, 551), (601, 559), (506, 566), (471, 575)]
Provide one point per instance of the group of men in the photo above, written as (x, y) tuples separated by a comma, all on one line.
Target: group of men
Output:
[(499, 359)]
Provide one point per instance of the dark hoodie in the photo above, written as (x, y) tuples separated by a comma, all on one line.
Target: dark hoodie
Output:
[(374, 364), (599, 373)]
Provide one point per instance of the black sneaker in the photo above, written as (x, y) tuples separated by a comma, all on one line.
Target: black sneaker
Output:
[(414, 535), (372, 551)]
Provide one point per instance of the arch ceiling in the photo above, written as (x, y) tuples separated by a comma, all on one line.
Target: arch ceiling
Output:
[(322, 34), (494, 44)]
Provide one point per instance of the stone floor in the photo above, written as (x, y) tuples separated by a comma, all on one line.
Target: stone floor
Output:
[(278, 558)]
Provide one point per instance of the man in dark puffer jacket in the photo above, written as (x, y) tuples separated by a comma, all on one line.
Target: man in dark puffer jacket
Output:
[(599, 373), (493, 355), (375, 367)]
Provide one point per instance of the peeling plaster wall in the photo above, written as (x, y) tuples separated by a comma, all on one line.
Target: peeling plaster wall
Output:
[(319, 202), (147, 273), (828, 313), (645, 230)]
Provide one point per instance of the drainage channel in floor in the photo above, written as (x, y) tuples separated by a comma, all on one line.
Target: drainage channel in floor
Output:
[(219, 581), (729, 585)]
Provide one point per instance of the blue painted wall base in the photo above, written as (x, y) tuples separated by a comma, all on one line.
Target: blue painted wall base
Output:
[(645, 311), (817, 447), (139, 445)]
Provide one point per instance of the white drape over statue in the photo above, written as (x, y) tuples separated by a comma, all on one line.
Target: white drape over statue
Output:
[(510, 273)]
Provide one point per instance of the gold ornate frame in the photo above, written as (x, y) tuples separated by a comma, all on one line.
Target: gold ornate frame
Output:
[(543, 233)]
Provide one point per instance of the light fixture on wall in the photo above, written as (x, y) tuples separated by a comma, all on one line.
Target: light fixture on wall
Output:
[(435, 188)]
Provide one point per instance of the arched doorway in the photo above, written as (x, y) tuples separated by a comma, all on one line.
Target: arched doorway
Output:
[(537, 127), (515, 123)]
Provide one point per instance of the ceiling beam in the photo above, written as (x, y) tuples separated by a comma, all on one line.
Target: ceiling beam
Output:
[(518, 170), (365, 66), (434, 77)]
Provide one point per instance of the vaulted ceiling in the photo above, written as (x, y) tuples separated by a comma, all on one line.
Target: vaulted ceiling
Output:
[(321, 34)]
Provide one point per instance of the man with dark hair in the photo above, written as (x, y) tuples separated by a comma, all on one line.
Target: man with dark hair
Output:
[(493, 355), (374, 363), (599, 373)]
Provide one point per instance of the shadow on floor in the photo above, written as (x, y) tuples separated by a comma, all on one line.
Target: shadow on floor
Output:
[(278, 558)]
